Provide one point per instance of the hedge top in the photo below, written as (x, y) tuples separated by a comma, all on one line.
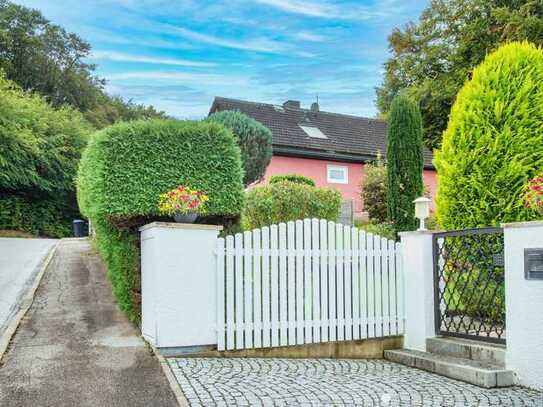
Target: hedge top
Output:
[(296, 178), (493, 144), (127, 166)]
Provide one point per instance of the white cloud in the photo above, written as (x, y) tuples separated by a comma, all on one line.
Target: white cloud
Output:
[(257, 44), (324, 9), (121, 57), (309, 36), (179, 77)]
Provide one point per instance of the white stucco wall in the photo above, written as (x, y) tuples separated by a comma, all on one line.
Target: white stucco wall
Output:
[(419, 288), (524, 305), (178, 284)]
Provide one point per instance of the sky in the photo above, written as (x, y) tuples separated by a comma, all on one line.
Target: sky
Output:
[(178, 54)]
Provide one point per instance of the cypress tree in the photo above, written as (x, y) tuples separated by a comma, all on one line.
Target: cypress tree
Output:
[(404, 162)]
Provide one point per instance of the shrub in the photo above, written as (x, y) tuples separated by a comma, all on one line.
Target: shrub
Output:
[(493, 144), (125, 169), (374, 190), (254, 139), (404, 162), (383, 229), (298, 179), (39, 151), (286, 201), (534, 195)]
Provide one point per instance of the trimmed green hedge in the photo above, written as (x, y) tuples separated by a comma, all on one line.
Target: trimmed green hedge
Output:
[(298, 179), (286, 201), (254, 139), (127, 166), (494, 141)]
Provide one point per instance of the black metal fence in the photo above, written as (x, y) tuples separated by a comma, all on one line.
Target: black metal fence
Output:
[(469, 284)]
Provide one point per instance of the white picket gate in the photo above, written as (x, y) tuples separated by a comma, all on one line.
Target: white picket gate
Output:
[(307, 282)]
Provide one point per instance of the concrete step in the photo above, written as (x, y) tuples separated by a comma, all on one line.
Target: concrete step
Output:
[(467, 349), (478, 373)]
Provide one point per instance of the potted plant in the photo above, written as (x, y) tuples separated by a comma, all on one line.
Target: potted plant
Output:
[(183, 203), (534, 195)]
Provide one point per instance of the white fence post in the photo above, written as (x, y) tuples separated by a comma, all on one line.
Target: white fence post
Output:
[(523, 303), (178, 284), (418, 278)]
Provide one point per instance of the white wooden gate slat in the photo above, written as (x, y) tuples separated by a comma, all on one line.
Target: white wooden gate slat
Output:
[(257, 286), (307, 281), (315, 280), (266, 289), (274, 254), (332, 271), (291, 284), (221, 288)]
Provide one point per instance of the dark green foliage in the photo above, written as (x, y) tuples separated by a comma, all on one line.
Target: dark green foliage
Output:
[(298, 179), (39, 151), (255, 142), (286, 201), (37, 214), (127, 166), (404, 163), (493, 144), (374, 191), (44, 58), (432, 58)]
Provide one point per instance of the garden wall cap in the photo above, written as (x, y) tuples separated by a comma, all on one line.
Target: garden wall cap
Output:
[(172, 225), (418, 232), (533, 224)]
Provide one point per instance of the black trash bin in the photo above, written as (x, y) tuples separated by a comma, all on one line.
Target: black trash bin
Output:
[(79, 228)]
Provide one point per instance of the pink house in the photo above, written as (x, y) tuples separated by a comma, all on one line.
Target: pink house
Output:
[(330, 148)]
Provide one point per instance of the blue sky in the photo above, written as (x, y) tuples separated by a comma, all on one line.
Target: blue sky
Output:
[(178, 54)]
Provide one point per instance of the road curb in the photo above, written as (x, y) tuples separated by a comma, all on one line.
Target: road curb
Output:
[(174, 384), (26, 303)]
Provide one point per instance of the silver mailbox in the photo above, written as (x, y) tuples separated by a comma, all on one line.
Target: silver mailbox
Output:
[(533, 264)]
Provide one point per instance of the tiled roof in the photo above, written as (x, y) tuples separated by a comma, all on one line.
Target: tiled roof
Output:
[(346, 135)]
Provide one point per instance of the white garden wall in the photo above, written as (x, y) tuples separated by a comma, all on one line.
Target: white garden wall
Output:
[(524, 305)]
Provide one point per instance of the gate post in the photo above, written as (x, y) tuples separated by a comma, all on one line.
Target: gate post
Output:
[(178, 284), (524, 301), (418, 269)]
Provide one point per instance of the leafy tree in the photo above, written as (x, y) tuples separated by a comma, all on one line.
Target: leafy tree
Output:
[(404, 162), (374, 190), (254, 139), (39, 151), (431, 59), (43, 57), (493, 144)]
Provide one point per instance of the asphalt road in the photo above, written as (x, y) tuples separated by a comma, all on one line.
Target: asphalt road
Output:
[(20, 260), (75, 347)]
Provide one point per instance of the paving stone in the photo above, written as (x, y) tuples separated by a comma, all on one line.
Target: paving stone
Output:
[(325, 382)]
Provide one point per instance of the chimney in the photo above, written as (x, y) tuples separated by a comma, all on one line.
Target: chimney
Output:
[(293, 104), (314, 107)]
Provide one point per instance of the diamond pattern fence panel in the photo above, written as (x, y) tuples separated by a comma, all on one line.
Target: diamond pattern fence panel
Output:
[(469, 284), (304, 282)]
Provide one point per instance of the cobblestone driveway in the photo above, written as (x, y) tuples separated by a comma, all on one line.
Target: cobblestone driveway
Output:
[(325, 382)]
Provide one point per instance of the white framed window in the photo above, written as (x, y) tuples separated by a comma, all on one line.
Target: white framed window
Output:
[(337, 174)]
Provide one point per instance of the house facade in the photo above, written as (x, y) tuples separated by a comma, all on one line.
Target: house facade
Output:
[(332, 149)]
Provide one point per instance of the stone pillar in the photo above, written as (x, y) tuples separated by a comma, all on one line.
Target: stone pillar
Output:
[(523, 305), (178, 284), (419, 288)]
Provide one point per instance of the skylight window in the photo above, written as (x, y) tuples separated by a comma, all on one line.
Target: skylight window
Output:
[(313, 132)]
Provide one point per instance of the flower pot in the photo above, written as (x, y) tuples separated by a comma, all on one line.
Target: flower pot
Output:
[(185, 217)]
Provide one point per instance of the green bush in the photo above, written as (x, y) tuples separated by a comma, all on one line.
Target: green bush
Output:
[(493, 144), (127, 166), (298, 179), (404, 162), (286, 201), (39, 151), (374, 191), (254, 139), (383, 229)]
